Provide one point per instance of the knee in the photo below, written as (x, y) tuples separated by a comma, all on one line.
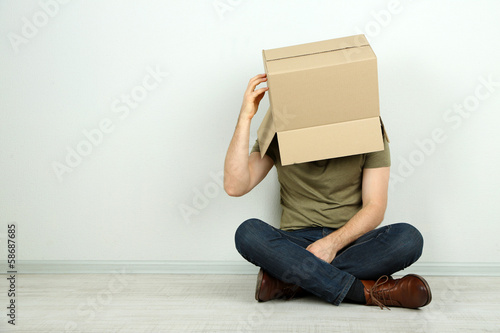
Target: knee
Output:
[(245, 236), (410, 241)]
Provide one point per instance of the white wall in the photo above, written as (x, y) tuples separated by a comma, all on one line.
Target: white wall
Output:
[(124, 200)]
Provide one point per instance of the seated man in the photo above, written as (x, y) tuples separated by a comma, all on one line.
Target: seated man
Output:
[(327, 243)]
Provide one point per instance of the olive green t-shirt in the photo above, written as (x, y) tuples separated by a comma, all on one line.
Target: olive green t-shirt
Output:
[(324, 193)]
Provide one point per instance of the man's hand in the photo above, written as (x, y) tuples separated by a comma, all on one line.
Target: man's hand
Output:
[(324, 249), (252, 97), (374, 196)]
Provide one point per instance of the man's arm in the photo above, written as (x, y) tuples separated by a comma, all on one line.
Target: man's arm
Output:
[(241, 171), (374, 195)]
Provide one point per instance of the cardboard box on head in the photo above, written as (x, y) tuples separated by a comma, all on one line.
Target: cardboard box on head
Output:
[(323, 100)]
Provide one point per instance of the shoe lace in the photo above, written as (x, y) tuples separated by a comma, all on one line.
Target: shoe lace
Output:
[(377, 295)]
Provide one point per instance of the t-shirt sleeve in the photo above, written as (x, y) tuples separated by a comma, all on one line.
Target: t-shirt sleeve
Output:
[(256, 147), (270, 151), (379, 159)]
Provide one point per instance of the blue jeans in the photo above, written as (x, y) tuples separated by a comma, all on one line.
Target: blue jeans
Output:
[(283, 254)]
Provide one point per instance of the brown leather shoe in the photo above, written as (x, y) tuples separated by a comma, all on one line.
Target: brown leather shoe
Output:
[(269, 288), (411, 291)]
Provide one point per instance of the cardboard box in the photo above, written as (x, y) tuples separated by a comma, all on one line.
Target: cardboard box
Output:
[(324, 100)]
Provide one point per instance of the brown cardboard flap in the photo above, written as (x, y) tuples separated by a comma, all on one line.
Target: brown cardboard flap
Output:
[(318, 60), (316, 53), (266, 132), (330, 141), (315, 47)]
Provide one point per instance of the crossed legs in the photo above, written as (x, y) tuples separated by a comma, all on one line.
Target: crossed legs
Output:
[(283, 255)]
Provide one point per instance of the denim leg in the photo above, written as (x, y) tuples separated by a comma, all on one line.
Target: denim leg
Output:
[(382, 251), (283, 255)]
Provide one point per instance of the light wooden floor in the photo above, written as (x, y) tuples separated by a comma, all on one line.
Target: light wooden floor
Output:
[(224, 303)]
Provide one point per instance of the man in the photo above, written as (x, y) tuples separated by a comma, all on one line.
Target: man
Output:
[(327, 243)]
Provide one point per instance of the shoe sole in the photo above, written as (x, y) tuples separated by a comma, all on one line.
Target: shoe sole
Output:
[(426, 286), (260, 276)]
